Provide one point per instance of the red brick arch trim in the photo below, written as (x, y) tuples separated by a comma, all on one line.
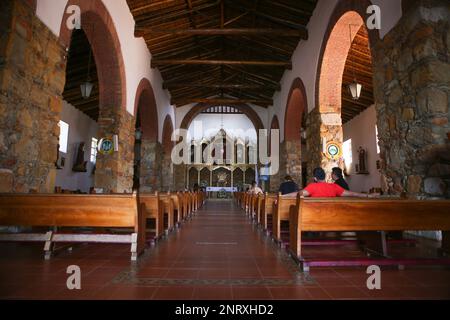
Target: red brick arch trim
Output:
[(197, 109), (167, 134), (297, 105), (101, 33), (145, 104), (334, 51), (275, 124), (32, 4)]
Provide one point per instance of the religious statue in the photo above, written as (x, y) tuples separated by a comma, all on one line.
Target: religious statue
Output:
[(57, 162), (362, 160), (80, 164), (222, 178)]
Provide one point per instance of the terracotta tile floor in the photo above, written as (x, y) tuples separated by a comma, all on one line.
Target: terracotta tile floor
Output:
[(218, 255)]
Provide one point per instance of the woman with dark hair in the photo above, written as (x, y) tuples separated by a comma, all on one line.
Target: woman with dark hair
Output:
[(338, 177)]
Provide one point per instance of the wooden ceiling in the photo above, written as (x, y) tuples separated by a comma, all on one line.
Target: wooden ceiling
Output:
[(76, 74), (234, 51), (359, 66)]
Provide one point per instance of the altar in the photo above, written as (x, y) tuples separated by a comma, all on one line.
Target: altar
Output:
[(221, 192), (221, 189)]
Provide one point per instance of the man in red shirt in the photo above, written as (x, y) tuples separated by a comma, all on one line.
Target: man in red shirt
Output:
[(322, 189)]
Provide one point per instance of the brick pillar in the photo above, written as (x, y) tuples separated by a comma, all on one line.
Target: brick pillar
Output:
[(32, 77), (323, 124), (150, 171), (412, 87)]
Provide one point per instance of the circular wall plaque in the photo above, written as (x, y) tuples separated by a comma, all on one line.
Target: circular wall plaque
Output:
[(106, 146), (333, 150)]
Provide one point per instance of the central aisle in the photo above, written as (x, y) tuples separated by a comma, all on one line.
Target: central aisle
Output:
[(219, 254)]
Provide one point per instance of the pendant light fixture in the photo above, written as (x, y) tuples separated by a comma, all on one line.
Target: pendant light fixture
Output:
[(87, 86), (355, 88)]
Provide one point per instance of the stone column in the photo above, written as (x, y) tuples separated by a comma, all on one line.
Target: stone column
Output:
[(150, 171), (167, 172), (292, 160), (323, 124), (114, 173), (32, 77), (179, 177), (412, 87)]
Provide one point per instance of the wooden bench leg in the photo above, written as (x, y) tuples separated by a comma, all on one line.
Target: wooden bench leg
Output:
[(134, 246), (48, 246), (445, 246), (373, 242)]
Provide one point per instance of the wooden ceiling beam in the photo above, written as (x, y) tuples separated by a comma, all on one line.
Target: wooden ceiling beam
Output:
[(281, 21), (217, 86), (160, 62), (165, 17), (225, 32), (228, 102), (257, 76)]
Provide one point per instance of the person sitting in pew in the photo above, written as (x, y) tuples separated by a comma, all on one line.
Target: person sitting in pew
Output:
[(338, 177), (321, 189), (288, 186), (255, 189)]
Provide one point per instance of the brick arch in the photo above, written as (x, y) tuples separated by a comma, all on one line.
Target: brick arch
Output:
[(145, 104), (32, 4), (199, 108), (275, 124), (297, 105), (167, 135), (335, 48), (102, 36)]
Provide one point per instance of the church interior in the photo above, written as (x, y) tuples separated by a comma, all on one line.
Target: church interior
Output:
[(143, 144)]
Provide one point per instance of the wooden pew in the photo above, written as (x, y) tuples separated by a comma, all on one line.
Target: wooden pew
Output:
[(366, 215), (240, 198), (258, 207), (197, 200), (154, 209), (267, 208), (237, 197), (202, 198), (187, 205), (245, 202), (177, 206), (74, 211), (248, 208), (168, 209), (253, 206), (281, 213), (193, 196)]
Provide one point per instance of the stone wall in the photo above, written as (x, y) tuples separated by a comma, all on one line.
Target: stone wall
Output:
[(291, 161), (32, 77), (151, 173), (323, 124), (114, 173), (179, 177), (167, 172), (412, 87)]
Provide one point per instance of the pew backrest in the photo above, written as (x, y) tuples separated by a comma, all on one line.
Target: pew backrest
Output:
[(70, 210), (341, 214)]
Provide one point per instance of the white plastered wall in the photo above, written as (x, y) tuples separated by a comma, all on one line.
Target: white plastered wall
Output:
[(135, 53), (306, 56)]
